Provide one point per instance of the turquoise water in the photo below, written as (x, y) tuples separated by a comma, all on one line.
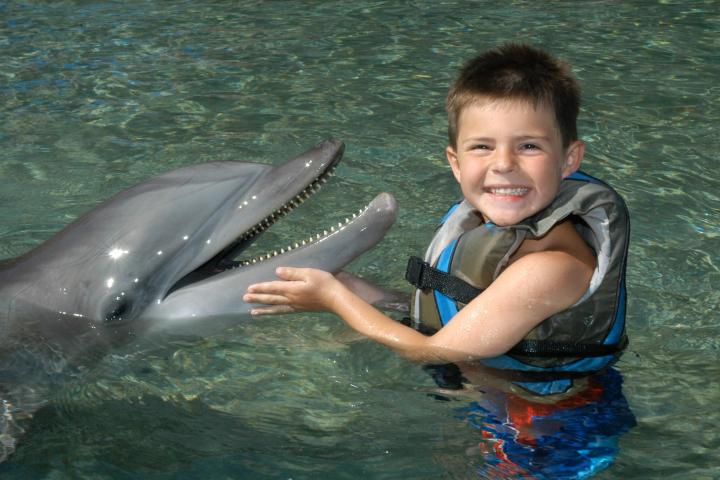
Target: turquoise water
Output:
[(97, 96)]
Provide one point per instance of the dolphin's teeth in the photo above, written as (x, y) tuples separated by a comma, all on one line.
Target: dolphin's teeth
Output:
[(318, 235), (324, 232), (340, 223), (296, 245), (282, 250), (254, 260), (332, 228)]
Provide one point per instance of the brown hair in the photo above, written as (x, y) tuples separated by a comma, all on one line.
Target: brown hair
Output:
[(517, 72)]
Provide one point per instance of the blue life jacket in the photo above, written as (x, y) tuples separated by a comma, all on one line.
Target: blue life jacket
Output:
[(466, 255)]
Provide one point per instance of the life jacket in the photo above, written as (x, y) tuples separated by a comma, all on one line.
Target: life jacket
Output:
[(467, 255)]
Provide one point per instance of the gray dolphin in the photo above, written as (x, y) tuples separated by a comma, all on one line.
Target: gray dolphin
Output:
[(160, 256), (155, 255)]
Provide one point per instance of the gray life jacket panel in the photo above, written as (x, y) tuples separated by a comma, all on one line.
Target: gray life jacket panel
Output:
[(586, 337)]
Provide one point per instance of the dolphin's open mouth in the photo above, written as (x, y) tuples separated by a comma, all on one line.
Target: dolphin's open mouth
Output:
[(230, 258), (288, 207), (300, 243), (249, 237)]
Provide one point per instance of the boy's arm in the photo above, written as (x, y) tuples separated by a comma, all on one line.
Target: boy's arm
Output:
[(374, 295), (531, 289)]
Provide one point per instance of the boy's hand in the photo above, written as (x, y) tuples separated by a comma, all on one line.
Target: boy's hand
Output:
[(300, 289)]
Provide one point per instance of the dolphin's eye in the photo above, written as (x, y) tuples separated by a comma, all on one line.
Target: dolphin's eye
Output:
[(118, 313)]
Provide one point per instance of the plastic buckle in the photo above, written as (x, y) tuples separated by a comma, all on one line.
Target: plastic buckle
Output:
[(415, 272)]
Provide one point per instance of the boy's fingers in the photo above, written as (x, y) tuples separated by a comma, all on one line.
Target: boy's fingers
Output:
[(277, 309), (276, 287), (290, 273), (265, 298)]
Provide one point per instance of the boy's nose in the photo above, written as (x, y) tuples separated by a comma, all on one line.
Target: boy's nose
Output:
[(504, 160)]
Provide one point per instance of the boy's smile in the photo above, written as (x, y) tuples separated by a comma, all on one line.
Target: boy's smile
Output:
[(510, 159)]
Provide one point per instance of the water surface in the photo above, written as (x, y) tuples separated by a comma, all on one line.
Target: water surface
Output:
[(97, 96)]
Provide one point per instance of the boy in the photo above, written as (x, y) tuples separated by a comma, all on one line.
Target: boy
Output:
[(531, 262)]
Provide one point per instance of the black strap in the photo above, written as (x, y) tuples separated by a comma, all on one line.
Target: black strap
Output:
[(424, 276), (551, 348)]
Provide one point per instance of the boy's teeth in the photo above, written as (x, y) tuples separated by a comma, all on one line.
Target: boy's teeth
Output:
[(509, 191)]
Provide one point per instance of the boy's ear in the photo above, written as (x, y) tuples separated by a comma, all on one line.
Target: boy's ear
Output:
[(452, 159), (573, 157)]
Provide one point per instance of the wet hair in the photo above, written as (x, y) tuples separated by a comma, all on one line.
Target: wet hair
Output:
[(517, 72)]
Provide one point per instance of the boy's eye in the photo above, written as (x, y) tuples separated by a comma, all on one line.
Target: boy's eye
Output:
[(529, 146)]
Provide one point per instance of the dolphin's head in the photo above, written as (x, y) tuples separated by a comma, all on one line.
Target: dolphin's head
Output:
[(171, 236)]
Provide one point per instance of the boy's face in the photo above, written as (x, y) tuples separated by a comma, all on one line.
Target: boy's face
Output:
[(509, 159)]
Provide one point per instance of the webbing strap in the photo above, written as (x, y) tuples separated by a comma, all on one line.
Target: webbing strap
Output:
[(426, 277)]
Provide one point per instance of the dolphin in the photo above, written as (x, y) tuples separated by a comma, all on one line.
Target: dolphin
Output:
[(160, 256)]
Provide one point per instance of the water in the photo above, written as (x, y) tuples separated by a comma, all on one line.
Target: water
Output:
[(97, 96)]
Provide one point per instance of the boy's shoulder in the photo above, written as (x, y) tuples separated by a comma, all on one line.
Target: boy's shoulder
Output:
[(562, 237)]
